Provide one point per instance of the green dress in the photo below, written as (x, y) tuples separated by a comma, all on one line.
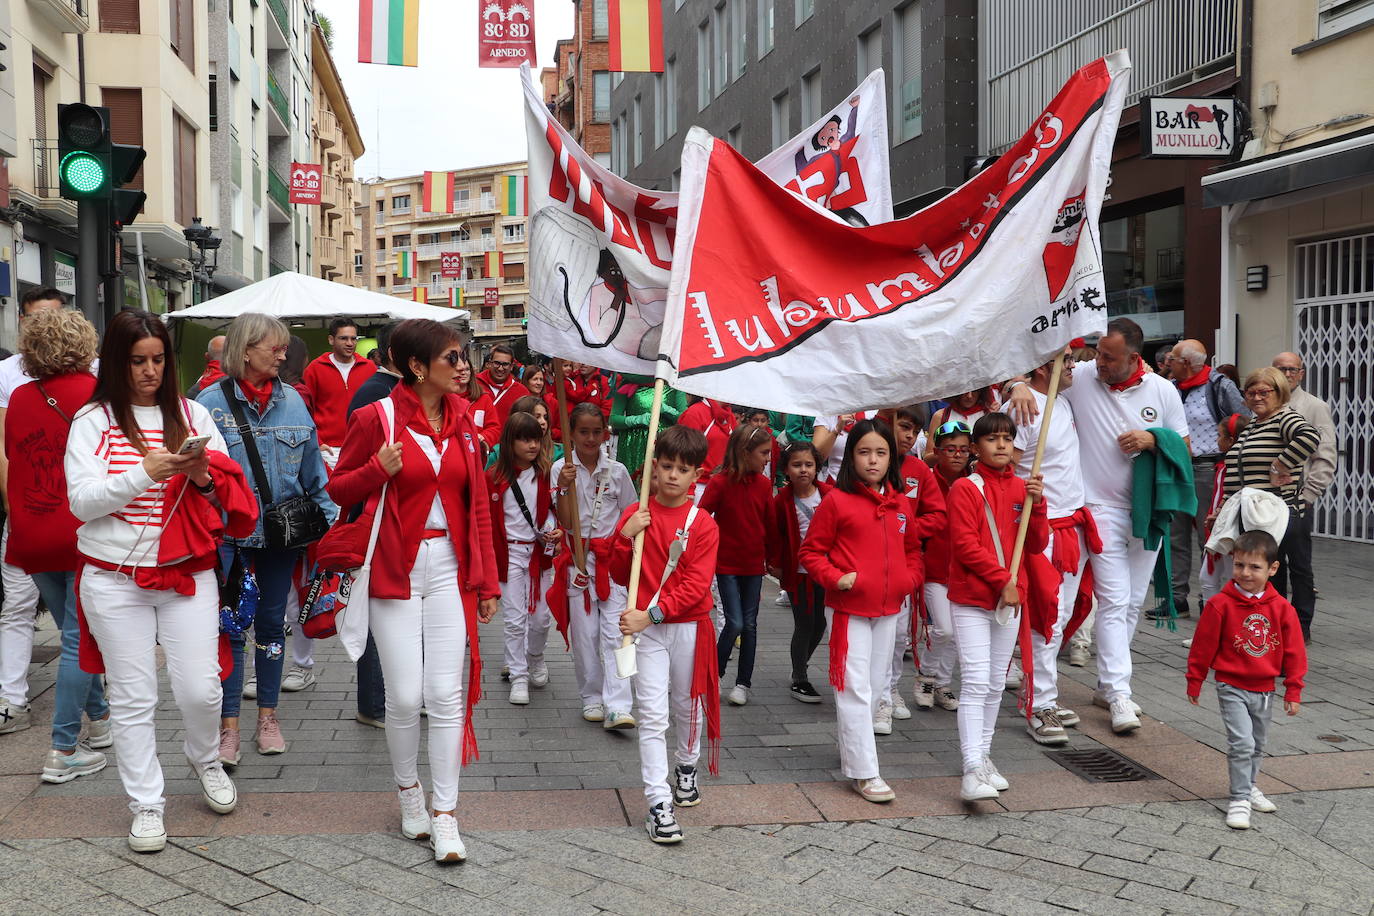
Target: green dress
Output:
[(630, 418)]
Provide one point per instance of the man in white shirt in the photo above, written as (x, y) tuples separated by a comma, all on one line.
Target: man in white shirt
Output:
[(19, 606)]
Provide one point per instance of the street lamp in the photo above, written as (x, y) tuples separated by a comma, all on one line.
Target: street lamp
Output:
[(199, 240)]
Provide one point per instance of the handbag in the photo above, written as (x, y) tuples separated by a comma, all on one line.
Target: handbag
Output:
[(298, 522), (238, 597), (337, 601)]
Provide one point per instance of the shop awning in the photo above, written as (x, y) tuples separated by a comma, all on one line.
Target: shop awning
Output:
[(1342, 158)]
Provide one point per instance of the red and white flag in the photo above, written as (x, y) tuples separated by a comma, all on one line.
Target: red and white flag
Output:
[(601, 248), (776, 306)]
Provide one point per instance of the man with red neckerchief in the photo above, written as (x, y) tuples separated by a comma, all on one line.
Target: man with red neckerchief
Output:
[(498, 380)]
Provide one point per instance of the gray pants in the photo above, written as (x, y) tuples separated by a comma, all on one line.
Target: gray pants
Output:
[(1246, 717), (1186, 536)]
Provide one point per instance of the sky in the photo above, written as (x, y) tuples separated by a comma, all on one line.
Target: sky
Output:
[(447, 113)]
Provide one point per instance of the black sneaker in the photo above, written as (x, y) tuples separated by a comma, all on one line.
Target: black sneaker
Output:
[(803, 691), (1160, 612), (685, 791), (661, 826)]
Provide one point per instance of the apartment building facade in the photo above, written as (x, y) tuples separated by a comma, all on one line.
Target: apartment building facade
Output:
[(335, 145), (394, 223), (577, 88)]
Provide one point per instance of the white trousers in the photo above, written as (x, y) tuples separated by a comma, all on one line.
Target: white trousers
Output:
[(1045, 653), (900, 633), (1212, 582), (595, 636), (1121, 577), (867, 674), (422, 642), (1083, 636), (17, 614), (984, 653), (128, 623), (937, 659), (526, 634), (665, 659)]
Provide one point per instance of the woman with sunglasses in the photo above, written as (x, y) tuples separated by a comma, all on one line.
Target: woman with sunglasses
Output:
[(1269, 455), (434, 571), (288, 448)]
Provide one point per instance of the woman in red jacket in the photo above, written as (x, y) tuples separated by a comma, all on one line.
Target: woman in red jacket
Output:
[(865, 551), (481, 408), (434, 572), (984, 515)]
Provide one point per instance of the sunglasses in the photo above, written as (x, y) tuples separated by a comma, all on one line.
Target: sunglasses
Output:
[(454, 358), (953, 428)]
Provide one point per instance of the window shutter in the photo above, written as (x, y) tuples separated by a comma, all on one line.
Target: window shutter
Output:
[(119, 16), (184, 180), (126, 120)]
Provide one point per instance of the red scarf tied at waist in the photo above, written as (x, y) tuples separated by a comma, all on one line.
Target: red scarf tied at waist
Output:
[(564, 567), (1064, 552), (706, 693)]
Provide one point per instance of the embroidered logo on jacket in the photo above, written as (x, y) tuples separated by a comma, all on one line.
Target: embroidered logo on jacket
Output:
[(1256, 637), (912, 485), (1149, 414), (901, 523)]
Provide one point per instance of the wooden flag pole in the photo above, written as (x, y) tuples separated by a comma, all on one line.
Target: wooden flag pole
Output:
[(645, 477), (1020, 546), (569, 456)]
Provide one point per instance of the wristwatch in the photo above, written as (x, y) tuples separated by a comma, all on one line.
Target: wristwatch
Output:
[(655, 614)]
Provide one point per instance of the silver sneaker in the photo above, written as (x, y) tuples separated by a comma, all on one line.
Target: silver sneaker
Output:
[(98, 735), (82, 761), (297, 678)]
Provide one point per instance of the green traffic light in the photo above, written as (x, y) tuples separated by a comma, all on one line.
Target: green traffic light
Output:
[(83, 173)]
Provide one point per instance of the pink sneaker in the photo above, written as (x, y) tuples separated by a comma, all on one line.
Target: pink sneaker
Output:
[(269, 736), (229, 747)]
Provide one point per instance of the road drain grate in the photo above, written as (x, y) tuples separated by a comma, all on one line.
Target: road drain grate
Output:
[(1101, 766)]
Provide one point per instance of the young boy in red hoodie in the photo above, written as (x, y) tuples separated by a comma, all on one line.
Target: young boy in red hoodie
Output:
[(1249, 635), (676, 654)]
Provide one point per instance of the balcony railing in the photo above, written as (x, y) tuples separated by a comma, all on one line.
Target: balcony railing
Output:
[(68, 16), (484, 326), (278, 8), (277, 99), (479, 204), (400, 211), (277, 190), (45, 167), (471, 246)]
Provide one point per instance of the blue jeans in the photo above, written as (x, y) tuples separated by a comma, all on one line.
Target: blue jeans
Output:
[(371, 687), (274, 569), (739, 599), (76, 690)]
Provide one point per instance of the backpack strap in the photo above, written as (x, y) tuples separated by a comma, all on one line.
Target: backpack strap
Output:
[(992, 520), (675, 552)]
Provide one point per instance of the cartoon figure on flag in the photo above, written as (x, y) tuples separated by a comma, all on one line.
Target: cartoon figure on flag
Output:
[(833, 178)]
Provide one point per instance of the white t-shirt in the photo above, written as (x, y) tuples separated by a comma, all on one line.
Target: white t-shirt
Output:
[(436, 520), (1102, 415), (12, 375), (517, 529), (611, 483), (831, 469), (1060, 465), (344, 368), (804, 514)]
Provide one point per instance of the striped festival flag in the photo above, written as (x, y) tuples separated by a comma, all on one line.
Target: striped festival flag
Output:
[(636, 35), (405, 264), (437, 196), (419, 293), (491, 264), (514, 194), (455, 297), (389, 32)]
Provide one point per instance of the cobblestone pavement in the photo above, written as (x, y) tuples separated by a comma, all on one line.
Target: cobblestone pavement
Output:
[(316, 826)]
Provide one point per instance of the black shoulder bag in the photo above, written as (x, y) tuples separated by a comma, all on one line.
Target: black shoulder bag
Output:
[(291, 525)]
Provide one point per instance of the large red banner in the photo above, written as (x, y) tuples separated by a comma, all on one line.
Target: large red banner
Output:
[(491, 297), (306, 178), (505, 33), (450, 264)]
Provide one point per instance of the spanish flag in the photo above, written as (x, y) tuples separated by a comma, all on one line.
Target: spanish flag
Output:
[(389, 32), (491, 264), (419, 293), (405, 264), (513, 191), (455, 297), (437, 196), (636, 35)]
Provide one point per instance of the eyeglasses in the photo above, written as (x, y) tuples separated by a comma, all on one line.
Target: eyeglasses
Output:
[(454, 358), (1258, 392), (953, 427), (955, 450), (275, 351), (1289, 370), (496, 365)]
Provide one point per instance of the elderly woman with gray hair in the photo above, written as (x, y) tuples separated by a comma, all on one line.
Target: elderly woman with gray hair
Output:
[(286, 447)]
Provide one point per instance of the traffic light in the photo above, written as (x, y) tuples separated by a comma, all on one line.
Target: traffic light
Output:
[(125, 203), (84, 151)]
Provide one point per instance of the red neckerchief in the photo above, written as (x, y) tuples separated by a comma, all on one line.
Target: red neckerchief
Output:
[(1134, 378), (410, 413), (258, 397), (978, 408), (860, 415), (213, 373), (1201, 378)]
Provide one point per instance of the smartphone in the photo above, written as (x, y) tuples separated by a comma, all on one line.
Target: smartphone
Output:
[(192, 444)]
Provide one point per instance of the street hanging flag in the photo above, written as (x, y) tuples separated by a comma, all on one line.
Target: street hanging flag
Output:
[(405, 264), (419, 293), (389, 32), (450, 264), (505, 33), (305, 183), (636, 35), (987, 282), (492, 265), (512, 192), (455, 297), (601, 248), (437, 193)]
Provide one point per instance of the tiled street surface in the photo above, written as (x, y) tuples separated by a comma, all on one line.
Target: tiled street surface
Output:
[(316, 829)]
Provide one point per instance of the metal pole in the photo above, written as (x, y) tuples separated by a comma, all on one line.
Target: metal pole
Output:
[(88, 228)]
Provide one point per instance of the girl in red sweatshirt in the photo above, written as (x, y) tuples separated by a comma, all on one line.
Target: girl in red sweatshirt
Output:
[(792, 511), (864, 549), (984, 515), (739, 496)]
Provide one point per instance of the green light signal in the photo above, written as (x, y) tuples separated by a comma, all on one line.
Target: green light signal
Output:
[(84, 173)]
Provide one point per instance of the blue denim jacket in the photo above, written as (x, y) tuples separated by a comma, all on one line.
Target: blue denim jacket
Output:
[(286, 440)]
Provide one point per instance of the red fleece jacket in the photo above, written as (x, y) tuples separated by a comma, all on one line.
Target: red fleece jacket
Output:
[(741, 511), (687, 595), (869, 533), (976, 579), (1249, 642), (487, 418), (330, 394), (936, 545), (717, 422), (503, 397)]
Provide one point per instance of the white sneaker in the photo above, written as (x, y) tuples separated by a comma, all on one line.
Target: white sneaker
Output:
[(1100, 701), (1078, 655), (782, 600), (993, 776), (974, 788), (1124, 718), (147, 834), (925, 694), (539, 674), (415, 823), (82, 761), (218, 789), (98, 735), (899, 708), (1187, 643), (250, 688), (1046, 728), (445, 841), (520, 691), (946, 698), (874, 790), (1238, 815), (594, 712), (618, 721), (297, 678), (739, 695), (1259, 803), (13, 717), (882, 719), (1067, 717), (1014, 678)]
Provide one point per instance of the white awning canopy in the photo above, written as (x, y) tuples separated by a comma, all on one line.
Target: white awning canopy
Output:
[(300, 299)]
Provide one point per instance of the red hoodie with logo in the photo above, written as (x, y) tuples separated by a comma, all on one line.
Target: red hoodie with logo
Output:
[(1249, 642), (976, 578), (873, 534)]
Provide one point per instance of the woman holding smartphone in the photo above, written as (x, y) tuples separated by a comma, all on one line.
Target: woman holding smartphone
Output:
[(151, 519)]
